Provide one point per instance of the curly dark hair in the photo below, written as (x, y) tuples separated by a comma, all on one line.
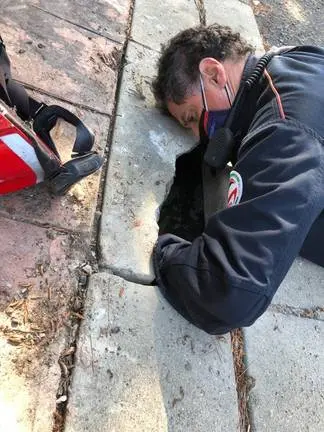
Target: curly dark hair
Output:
[(178, 66)]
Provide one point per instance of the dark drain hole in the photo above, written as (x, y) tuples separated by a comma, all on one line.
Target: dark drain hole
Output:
[(182, 211)]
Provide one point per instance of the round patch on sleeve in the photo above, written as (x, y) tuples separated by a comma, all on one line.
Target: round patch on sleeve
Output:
[(235, 189)]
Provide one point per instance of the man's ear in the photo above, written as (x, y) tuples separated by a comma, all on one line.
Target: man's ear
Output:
[(213, 71)]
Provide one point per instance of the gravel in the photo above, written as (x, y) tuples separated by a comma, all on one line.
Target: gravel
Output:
[(290, 22)]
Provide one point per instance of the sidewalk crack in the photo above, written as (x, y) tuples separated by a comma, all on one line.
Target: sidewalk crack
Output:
[(202, 11), (76, 24), (144, 45), (244, 382), (315, 313)]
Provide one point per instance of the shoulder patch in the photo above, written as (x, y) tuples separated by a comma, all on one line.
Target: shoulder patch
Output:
[(235, 189)]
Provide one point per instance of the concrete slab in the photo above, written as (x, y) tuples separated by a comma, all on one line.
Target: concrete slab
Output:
[(61, 59), (155, 22), (158, 372), (27, 393), (303, 286), (236, 15), (38, 279), (76, 210), (33, 259), (285, 360), (141, 169), (105, 17)]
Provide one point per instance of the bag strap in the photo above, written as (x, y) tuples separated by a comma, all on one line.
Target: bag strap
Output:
[(14, 94), (44, 117)]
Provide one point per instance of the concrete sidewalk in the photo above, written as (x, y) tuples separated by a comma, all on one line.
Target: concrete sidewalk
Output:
[(136, 364), (131, 343)]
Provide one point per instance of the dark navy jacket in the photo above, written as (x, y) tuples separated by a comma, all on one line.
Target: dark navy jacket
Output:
[(227, 277)]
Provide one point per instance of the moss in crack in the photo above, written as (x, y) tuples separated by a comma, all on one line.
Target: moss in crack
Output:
[(244, 382), (67, 357), (201, 10)]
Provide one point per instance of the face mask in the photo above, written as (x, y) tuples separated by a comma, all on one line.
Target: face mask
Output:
[(213, 120), (210, 121)]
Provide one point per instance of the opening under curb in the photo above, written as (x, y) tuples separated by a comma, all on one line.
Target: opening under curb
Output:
[(182, 211)]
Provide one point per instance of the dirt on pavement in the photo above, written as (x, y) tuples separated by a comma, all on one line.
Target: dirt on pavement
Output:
[(290, 22)]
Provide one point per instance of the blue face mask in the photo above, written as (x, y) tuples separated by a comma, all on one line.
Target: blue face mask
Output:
[(210, 121), (213, 120)]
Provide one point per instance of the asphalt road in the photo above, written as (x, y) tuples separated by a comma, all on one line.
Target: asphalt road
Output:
[(290, 22)]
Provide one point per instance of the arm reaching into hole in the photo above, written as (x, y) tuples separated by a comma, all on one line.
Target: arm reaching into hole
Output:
[(226, 278)]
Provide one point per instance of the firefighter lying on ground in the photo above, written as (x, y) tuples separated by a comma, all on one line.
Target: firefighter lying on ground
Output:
[(265, 116)]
